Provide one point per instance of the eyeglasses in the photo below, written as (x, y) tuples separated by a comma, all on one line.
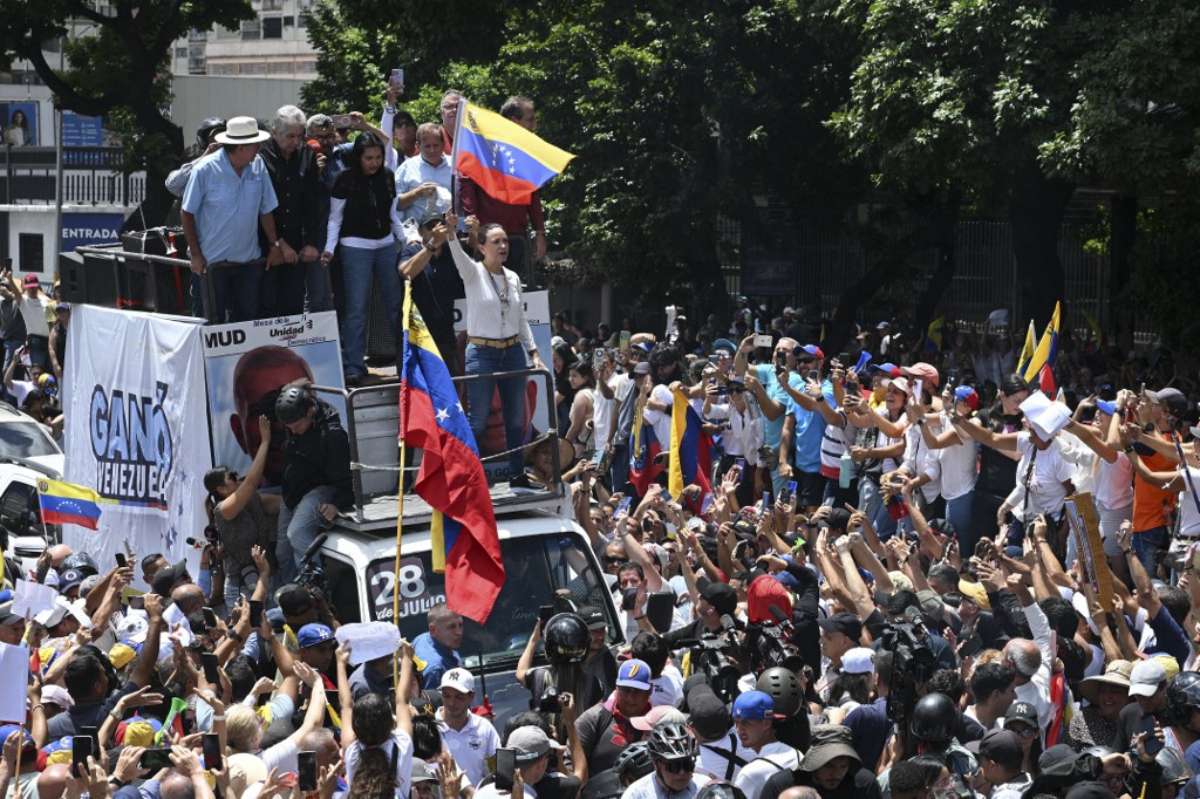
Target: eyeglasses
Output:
[(679, 766)]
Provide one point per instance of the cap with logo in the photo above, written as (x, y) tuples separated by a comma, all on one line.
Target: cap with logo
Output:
[(313, 634), (529, 742), (1021, 713), (634, 674), (754, 706), (459, 680)]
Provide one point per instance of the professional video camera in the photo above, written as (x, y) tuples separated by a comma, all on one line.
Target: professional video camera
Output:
[(312, 574), (913, 663), (770, 644), (713, 655)]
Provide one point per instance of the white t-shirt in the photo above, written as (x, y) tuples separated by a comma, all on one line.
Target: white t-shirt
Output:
[(648, 787), (602, 409), (661, 420), (1114, 483), (919, 460), (403, 761), (667, 688), (959, 465), (1047, 491), (715, 764), (471, 746), (1189, 519), (772, 758), (33, 311)]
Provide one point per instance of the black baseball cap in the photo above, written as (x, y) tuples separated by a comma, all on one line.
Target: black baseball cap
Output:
[(707, 713), (845, 623)]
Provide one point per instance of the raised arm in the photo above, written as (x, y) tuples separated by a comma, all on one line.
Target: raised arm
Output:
[(1004, 442), (1146, 595), (236, 502), (1098, 445)]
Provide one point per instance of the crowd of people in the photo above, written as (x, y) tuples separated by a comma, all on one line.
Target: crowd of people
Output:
[(896, 570)]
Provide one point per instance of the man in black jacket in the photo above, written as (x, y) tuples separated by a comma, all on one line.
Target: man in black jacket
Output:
[(296, 178), (316, 474)]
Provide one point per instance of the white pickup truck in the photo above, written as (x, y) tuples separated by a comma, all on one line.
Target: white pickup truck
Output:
[(544, 551)]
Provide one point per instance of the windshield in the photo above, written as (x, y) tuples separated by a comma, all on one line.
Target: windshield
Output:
[(25, 440), (535, 567)]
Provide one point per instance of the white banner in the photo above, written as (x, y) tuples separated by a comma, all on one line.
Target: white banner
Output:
[(134, 405), (247, 363)]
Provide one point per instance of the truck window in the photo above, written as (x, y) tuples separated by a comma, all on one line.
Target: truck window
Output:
[(535, 567), (341, 584), (19, 509)]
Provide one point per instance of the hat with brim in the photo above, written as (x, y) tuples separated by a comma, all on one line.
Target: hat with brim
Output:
[(829, 742), (242, 130), (1115, 674), (659, 714)]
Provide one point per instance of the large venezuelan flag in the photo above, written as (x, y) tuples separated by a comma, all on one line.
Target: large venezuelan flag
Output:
[(67, 503), (1041, 365), (690, 461), (451, 477), (508, 162), (1027, 349)]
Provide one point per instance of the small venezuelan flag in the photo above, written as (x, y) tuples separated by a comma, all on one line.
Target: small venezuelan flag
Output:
[(67, 503), (508, 162)]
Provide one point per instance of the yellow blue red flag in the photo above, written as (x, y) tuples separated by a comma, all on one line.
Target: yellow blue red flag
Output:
[(507, 161), (690, 461), (67, 503)]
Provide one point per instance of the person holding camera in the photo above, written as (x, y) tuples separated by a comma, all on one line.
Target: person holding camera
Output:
[(242, 517), (567, 645), (774, 401)]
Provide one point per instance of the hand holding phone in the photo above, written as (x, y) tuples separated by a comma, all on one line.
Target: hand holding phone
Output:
[(306, 768), (211, 743), (256, 609), (506, 764), (211, 668)]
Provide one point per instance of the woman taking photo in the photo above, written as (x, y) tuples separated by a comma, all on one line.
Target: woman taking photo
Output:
[(498, 336), (363, 221), (244, 518)]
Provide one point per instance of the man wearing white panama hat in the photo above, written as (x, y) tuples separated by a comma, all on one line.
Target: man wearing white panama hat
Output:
[(228, 196)]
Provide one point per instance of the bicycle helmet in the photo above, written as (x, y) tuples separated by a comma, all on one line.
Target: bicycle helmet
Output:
[(784, 687), (672, 742), (934, 718), (567, 638), (291, 405), (81, 562), (634, 762), (720, 790), (1183, 696)]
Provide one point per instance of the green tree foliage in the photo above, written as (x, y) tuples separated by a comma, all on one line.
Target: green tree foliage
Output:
[(118, 68)]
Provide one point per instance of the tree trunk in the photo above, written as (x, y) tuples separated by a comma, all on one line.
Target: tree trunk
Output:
[(1122, 237), (1036, 208), (158, 164)]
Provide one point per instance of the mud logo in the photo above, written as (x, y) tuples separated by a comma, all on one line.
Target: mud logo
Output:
[(131, 439)]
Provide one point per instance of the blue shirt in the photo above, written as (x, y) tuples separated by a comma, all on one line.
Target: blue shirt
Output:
[(227, 207), (1169, 637), (765, 372), (438, 659), (415, 171)]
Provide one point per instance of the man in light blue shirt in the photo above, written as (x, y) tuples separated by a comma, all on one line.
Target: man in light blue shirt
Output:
[(228, 197), (775, 400), (423, 181)]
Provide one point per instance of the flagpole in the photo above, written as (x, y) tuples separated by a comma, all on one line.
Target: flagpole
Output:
[(404, 320)]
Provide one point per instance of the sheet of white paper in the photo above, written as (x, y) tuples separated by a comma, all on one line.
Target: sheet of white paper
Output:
[(174, 617), (369, 640), (32, 598), (14, 674)]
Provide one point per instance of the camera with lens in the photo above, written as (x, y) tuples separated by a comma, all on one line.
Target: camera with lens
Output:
[(913, 663), (548, 702), (628, 598), (713, 656)]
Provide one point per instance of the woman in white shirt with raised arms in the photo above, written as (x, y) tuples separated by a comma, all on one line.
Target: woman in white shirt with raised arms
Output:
[(498, 336)]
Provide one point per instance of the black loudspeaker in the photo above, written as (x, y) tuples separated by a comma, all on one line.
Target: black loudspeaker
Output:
[(381, 341)]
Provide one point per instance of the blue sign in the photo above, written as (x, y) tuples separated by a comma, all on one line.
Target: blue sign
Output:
[(78, 229), (81, 131)]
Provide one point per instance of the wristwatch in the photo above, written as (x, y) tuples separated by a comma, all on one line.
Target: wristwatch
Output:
[(276, 244)]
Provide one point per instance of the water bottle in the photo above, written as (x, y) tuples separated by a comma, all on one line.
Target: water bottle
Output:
[(846, 472)]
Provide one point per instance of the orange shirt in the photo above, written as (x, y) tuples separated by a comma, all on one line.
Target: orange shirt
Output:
[(1150, 501)]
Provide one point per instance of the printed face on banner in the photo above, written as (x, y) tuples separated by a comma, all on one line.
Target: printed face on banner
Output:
[(247, 363)]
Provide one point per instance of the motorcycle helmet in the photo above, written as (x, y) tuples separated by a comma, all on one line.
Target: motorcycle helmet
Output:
[(934, 718), (291, 404), (784, 687), (567, 638), (206, 130), (1183, 696)]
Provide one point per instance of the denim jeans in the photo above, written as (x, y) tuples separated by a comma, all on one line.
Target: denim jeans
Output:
[(1150, 546), (318, 294), (39, 351), (485, 361), (298, 527), (10, 350), (959, 513), (359, 266), (618, 468), (235, 289), (870, 502)]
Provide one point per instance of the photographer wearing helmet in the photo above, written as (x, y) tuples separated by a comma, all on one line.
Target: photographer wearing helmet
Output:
[(673, 752), (316, 474), (567, 644)]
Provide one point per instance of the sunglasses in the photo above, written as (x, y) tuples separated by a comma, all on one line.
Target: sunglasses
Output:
[(611, 559), (680, 766)]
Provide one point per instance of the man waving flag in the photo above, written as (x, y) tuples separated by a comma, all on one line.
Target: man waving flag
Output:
[(451, 479)]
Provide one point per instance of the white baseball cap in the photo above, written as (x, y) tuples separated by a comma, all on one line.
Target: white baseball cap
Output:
[(1146, 677), (858, 660), (460, 680)]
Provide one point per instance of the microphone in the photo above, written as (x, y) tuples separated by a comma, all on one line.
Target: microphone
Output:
[(313, 547), (779, 615), (314, 145)]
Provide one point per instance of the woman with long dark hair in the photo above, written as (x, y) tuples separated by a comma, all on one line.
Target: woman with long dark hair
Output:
[(364, 222)]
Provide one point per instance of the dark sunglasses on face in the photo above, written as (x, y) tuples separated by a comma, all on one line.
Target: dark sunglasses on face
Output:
[(680, 766)]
